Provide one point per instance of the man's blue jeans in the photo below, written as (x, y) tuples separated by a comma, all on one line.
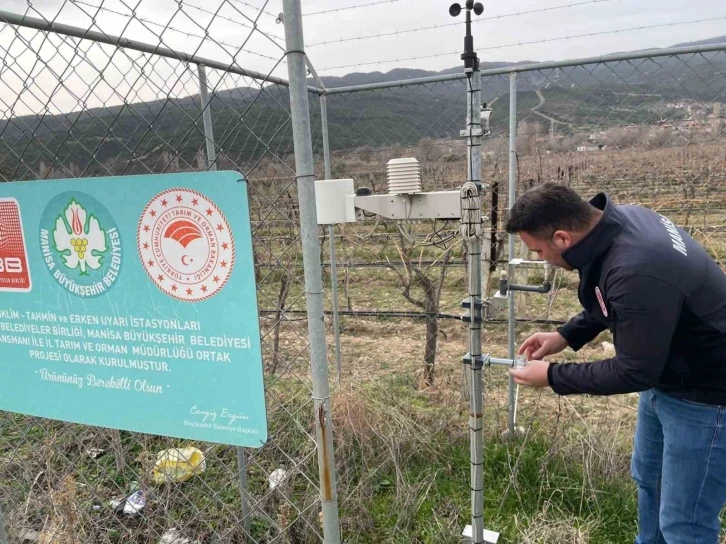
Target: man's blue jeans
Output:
[(679, 464)]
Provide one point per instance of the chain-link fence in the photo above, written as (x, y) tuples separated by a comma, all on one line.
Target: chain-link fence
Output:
[(91, 101), (647, 129), (81, 101)]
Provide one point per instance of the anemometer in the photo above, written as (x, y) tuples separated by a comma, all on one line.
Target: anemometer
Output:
[(469, 56)]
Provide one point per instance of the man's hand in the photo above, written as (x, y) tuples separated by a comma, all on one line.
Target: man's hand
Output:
[(534, 375), (542, 344)]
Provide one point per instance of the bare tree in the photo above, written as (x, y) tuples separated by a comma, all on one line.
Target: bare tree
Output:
[(281, 299), (422, 278)]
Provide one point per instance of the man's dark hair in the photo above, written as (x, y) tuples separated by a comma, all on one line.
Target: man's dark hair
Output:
[(547, 208)]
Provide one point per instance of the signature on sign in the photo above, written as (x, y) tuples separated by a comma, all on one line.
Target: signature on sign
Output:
[(211, 415)]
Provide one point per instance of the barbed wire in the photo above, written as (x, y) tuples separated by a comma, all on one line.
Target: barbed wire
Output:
[(194, 21), (261, 10), (206, 31), (607, 32), (458, 23), (335, 10), (235, 21), (533, 42), (170, 28)]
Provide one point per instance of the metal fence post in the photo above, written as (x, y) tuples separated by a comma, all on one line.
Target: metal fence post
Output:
[(244, 489), (331, 236), (212, 165), (471, 230), (3, 535), (300, 109), (207, 117), (471, 227), (510, 267)]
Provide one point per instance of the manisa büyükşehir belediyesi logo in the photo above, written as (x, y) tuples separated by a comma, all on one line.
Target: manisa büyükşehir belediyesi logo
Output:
[(14, 272), (81, 244), (185, 244)]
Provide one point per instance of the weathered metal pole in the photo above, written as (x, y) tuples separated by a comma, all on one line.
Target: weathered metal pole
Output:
[(207, 118), (3, 535), (471, 231), (300, 109), (244, 489), (331, 237), (510, 269), (326, 140)]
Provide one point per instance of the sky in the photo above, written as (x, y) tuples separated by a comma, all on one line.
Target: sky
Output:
[(64, 74)]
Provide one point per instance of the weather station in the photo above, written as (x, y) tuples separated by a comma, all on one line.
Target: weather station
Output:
[(338, 201)]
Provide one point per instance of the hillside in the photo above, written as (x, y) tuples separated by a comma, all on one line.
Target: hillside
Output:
[(578, 98)]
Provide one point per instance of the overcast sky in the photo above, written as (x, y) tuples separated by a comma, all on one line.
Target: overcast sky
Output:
[(500, 34)]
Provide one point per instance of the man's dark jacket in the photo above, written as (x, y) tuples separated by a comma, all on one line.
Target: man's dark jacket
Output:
[(664, 299)]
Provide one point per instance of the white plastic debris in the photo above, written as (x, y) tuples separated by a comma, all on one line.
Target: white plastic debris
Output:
[(277, 477), (172, 536), (135, 503), (29, 535)]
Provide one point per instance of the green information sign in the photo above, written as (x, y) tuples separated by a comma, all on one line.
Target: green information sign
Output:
[(130, 303)]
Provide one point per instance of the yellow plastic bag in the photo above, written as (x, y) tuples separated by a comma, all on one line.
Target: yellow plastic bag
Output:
[(178, 465)]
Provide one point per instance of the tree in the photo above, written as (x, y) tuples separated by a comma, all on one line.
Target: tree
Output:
[(428, 279)]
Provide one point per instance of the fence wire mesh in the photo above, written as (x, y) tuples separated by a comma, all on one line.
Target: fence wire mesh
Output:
[(647, 130), (74, 107)]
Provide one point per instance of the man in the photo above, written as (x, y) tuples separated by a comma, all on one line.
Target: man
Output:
[(664, 299)]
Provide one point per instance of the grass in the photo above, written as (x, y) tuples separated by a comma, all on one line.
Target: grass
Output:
[(420, 492), (403, 476), (402, 452)]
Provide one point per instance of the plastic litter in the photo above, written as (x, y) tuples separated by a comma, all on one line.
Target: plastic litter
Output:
[(178, 465), (132, 504), (277, 477), (135, 503), (95, 453), (29, 536), (172, 536)]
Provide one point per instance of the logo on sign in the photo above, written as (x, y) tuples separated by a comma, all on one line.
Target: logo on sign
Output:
[(598, 294), (14, 272), (186, 245), (81, 244)]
